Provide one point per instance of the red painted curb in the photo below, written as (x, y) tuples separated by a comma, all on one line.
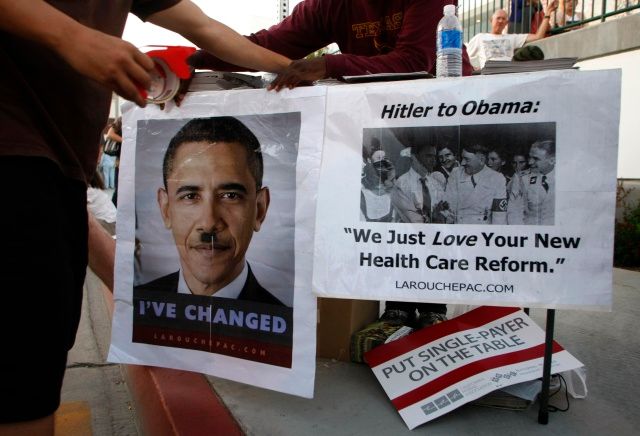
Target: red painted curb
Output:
[(172, 402)]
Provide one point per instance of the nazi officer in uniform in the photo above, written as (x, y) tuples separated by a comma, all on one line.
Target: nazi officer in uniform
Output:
[(533, 202), (476, 194)]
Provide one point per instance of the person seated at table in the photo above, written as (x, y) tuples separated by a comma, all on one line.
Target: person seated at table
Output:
[(499, 46), (374, 37)]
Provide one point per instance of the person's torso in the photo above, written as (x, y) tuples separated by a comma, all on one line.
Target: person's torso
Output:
[(498, 47), (540, 199), (476, 194), (376, 206), (47, 108), (366, 28)]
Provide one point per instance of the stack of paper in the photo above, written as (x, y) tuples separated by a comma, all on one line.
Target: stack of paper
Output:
[(499, 67), (217, 81), (387, 77)]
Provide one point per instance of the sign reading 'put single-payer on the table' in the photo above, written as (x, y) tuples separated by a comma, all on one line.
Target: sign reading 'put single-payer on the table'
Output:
[(438, 369)]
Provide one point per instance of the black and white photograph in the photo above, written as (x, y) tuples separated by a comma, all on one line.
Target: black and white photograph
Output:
[(469, 174)]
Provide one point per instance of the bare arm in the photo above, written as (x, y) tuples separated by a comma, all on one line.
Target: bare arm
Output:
[(188, 20), (111, 134), (404, 206), (106, 59), (473, 49), (414, 48), (545, 25), (102, 252)]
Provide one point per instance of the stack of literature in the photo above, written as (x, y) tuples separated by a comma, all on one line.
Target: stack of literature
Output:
[(500, 67), (219, 81)]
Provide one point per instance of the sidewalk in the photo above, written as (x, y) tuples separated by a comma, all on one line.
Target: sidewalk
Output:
[(94, 393), (349, 401)]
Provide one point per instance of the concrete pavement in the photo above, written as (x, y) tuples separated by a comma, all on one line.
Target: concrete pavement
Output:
[(93, 390), (349, 401)]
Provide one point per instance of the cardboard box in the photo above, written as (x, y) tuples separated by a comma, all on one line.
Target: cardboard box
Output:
[(338, 319)]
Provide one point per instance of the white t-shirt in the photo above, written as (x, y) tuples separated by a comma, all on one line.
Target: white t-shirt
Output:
[(487, 46), (100, 205)]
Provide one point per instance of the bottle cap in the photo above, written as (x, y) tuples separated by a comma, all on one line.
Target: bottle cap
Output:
[(449, 9)]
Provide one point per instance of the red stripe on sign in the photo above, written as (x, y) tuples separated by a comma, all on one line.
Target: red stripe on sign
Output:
[(243, 348), (469, 370), (470, 320)]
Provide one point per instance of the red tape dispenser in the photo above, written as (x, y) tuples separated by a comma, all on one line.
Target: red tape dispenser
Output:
[(170, 66)]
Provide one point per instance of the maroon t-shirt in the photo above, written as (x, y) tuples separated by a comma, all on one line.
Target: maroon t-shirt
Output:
[(374, 36), (49, 110)]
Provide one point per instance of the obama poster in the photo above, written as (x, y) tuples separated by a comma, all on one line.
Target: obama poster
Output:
[(213, 269)]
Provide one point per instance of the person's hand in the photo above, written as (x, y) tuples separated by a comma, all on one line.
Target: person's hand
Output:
[(551, 6), (182, 91), (300, 72), (391, 178), (442, 213), (110, 61), (184, 88)]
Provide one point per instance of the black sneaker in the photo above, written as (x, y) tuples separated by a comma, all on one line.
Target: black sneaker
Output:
[(396, 317), (430, 318)]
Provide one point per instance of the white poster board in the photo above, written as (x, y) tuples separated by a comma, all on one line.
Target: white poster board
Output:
[(539, 237), (188, 223), (436, 370)]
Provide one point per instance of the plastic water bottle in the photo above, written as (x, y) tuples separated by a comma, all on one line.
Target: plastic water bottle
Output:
[(449, 44)]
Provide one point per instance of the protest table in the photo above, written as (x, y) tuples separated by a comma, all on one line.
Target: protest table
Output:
[(545, 240), (541, 239)]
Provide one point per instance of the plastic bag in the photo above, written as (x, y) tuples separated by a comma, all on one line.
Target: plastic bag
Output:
[(576, 381)]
